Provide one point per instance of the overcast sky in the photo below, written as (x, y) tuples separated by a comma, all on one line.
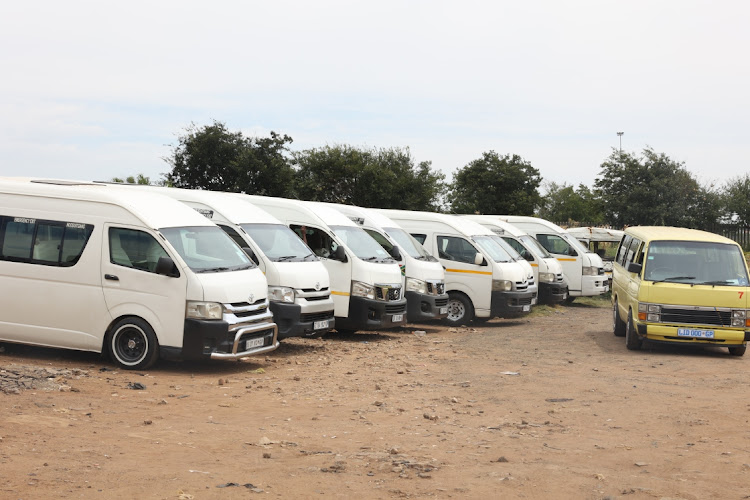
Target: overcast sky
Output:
[(93, 90)]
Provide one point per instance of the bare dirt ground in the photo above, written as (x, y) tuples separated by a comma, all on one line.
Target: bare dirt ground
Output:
[(548, 406)]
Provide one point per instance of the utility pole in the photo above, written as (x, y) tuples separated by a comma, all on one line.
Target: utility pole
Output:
[(619, 134)]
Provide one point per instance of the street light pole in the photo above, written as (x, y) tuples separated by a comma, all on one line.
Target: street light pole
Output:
[(619, 134)]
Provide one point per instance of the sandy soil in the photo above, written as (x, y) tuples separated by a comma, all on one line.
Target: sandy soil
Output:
[(549, 406)]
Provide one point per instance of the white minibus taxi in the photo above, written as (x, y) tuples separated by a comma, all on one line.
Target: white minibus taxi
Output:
[(481, 278), (548, 272), (298, 284), (365, 279), (135, 275), (584, 270), (423, 276)]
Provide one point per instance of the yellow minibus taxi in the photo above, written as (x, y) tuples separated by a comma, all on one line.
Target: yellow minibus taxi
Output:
[(680, 286)]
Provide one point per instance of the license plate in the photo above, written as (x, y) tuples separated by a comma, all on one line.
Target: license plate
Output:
[(699, 334), (319, 325), (443, 310), (397, 318), (533, 301), (565, 296), (249, 344), (526, 308)]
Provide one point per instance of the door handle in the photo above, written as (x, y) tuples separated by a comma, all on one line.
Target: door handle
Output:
[(111, 277)]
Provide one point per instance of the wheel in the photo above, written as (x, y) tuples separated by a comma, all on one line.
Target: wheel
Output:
[(132, 344), (479, 320), (618, 325), (632, 340), (346, 331), (737, 351), (460, 310)]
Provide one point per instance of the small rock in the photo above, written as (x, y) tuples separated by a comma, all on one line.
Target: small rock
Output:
[(266, 455), (430, 417), (136, 386), (501, 459), (147, 422), (641, 464)]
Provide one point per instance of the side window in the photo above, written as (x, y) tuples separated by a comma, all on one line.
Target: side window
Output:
[(622, 250), (234, 235), (454, 248), (133, 248), (554, 244), (519, 248), (52, 243), (421, 238), (382, 240), (318, 240), (630, 254)]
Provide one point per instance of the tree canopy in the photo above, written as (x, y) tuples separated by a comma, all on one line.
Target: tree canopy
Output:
[(368, 177), (737, 199), (495, 184), (213, 158), (649, 190), (563, 203)]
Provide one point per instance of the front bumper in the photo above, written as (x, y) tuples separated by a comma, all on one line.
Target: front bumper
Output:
[(207, 339), (552, 293), (425, 307), (666, 333), (592, 286), (370, 314), (511, 304), (293, 323)]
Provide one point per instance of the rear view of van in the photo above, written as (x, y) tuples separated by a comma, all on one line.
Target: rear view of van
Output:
[(134, 275)]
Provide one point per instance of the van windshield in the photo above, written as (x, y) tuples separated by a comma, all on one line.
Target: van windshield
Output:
[(534, 246), (696, 263), (408, 244), (207, 249), (279, 243), (361, 244), (493, 249)]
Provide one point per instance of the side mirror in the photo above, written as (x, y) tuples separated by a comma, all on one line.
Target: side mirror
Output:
[(634, 268), (479, 260), (166, 267), (339, 254), (251, 254), (395, 253)]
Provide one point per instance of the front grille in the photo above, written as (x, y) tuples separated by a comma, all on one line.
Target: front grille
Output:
[(435, 288), (441, 302), (521, 286), (693, 317), (312, 290), (559, 278), (396, 309), (519, 302), (246, 309), (311, 317), (387, 292), (312, 299)]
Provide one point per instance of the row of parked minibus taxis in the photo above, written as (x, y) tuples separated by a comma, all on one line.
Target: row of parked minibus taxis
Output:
[(143, 272)]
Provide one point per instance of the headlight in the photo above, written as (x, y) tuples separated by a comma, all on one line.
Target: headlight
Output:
[(546, 277), (415, 285), (589, 271), (738, 317), (203, 310), (360, 289), (281, 294), (502, 285)]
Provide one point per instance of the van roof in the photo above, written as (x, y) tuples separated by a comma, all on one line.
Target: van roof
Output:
[(313, 211), (525, 221), (369, 216), (497, 222), (596, 233), (668, 233), (154, 210), (460, 224)]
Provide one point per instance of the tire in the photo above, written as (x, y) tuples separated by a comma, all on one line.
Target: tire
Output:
[(460, 309), (480, 321), (618, 325), (738, 351), (569, 299), (632, 340), (132, 344)]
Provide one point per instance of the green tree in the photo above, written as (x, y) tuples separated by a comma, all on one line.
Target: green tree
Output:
[(496, 184), (652, 190), (213, 158), (736, 199), (138, 179), (383, 178), (563, 203)]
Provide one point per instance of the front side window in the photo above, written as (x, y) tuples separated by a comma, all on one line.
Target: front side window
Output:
[(622, 249), (518, 247), (207, 249), (361, 244), (319, 241), (457, 249), (134, 249), (555, 244), (409, 244), (421, 238)]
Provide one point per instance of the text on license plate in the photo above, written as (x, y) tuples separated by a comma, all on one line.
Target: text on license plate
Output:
[(689, 332), (319, 325), (398, 317), (443, 310), (526, 308), (249, 344)]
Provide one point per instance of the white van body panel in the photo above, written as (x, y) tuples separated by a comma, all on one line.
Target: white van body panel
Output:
[(578, 283)]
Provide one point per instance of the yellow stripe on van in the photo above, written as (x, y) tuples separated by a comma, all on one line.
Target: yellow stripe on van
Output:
[(468, 271), (534, 265), (344, 294), (566, 260)]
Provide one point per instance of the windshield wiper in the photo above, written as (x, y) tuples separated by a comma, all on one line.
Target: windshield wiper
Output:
[(675, 278), (287, 257), (212, 269), (717, 282)]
